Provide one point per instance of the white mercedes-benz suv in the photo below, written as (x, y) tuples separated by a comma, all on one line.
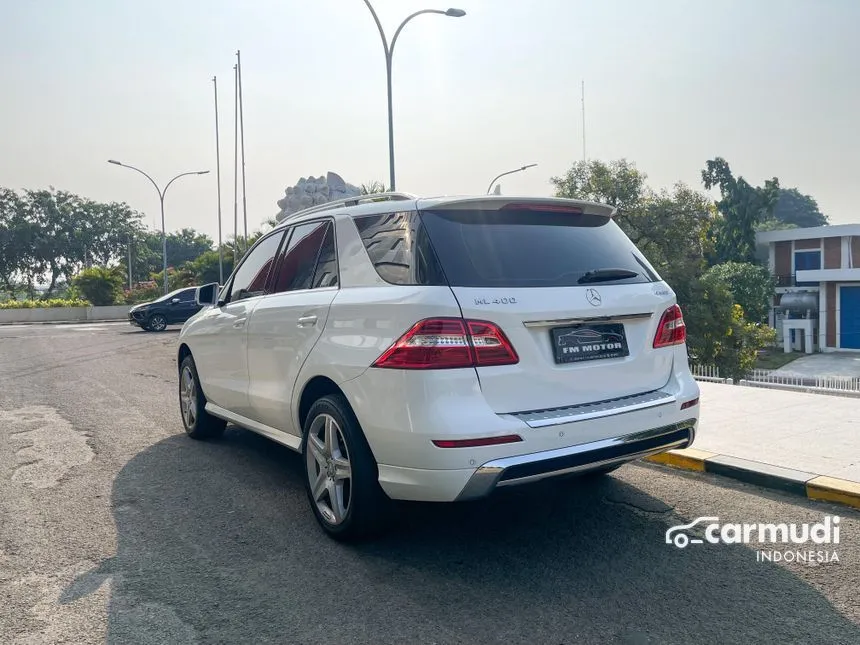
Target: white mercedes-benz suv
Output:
[(436, 349)]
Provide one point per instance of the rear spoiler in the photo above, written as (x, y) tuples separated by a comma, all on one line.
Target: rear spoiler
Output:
[(493, 202)]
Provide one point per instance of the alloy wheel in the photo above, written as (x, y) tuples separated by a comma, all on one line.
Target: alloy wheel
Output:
[(158, 323), (328, 469), (188, 397)]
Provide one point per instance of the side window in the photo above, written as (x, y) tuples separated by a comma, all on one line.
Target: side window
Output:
[(399, 248), (299, 257), (325, 274), (252, 274), (187, 295)]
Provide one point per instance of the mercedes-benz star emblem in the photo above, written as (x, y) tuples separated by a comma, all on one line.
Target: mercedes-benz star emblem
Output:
[(593, 297)]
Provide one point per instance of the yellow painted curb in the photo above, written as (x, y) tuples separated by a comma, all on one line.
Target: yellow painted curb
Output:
[(685, 458), (831, 489)]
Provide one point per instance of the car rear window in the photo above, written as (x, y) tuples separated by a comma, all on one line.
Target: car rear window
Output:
[(529, 248), (398, 246)]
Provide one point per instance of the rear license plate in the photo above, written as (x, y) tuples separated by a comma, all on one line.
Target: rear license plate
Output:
[(588, 342)]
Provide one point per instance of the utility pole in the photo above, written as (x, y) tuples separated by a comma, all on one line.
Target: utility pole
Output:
[(242, 138), (235, 163), (129, 263), (218, 174)]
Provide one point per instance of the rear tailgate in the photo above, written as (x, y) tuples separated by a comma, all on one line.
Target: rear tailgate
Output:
[(574, 296)]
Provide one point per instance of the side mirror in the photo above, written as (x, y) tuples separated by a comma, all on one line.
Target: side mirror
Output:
[(207, 295), (174, 301)]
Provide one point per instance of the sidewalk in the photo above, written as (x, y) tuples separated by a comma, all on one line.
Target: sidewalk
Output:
[(808, 444), (808, 432)]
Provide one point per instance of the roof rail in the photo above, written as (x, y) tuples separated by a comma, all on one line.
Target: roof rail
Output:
[(352, 201)]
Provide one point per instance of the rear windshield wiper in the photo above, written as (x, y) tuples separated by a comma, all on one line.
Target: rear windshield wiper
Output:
[(606, 275)]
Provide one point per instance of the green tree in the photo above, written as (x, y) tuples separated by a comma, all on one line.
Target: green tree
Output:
[(372, 188), (205, 267), (741, 207), (794, 209), (670, 227), (773, 224), (617, 183), (751, 286), (14, 237), (182, 246), (60, 232), (99, 285)]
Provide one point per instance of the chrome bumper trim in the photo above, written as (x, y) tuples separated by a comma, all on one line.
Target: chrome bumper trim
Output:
[(584, 411), (521, 469), (561, 322)]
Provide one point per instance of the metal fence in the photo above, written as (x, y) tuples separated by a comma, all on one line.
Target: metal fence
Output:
[(766, 378), (710, 373), (819, 382)]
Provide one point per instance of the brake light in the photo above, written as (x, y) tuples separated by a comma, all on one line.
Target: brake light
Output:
[(671, 330), (475, 443), (446, 343), (546, 208)]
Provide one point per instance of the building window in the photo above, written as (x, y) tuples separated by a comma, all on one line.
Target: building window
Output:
[(806, 261)]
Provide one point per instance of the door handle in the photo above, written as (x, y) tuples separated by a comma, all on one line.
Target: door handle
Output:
[(307, 321), (239, 323)]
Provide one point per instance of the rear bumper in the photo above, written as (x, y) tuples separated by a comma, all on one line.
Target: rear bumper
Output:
[(401, 413), (522, 469)]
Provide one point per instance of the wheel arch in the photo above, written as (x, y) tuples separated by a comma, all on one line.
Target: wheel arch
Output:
[(184, 350), (316, 388)]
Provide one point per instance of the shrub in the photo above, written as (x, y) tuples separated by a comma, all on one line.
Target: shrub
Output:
[(141, 294), (100, 285), (44, 304)]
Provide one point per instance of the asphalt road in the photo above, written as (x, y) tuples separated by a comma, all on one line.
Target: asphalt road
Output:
[(117, 528)]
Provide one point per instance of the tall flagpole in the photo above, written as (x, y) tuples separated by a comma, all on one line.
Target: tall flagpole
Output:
[(218, 172), (583, 120), (242, 139), (235, 163)]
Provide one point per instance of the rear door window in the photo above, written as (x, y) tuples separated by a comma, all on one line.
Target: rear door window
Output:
[(532, 248)]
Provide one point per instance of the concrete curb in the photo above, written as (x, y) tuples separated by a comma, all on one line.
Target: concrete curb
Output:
[(63, 322), (796, 482)]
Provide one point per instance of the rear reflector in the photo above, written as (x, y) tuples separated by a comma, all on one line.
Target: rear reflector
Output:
[(446, 343), (690, 403), (671, 330), (474, 443)]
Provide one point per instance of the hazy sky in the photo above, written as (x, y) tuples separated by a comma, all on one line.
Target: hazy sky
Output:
[(771, 85)]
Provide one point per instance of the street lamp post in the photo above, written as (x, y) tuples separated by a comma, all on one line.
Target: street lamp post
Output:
[(161, 194), (389, 52), (510, 172)]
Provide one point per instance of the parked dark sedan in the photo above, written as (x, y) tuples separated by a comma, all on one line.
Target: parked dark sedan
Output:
[(173, 309)]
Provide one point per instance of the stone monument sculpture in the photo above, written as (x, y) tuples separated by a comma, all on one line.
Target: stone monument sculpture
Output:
[(312, 191)]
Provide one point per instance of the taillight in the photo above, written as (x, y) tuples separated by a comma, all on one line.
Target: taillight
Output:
[(671, 330), (446, 343)]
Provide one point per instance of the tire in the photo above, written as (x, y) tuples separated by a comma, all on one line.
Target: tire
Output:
[(198, 423), (341, 476), (156, 322)]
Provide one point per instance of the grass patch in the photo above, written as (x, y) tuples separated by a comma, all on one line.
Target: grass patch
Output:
[(774, 358)]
